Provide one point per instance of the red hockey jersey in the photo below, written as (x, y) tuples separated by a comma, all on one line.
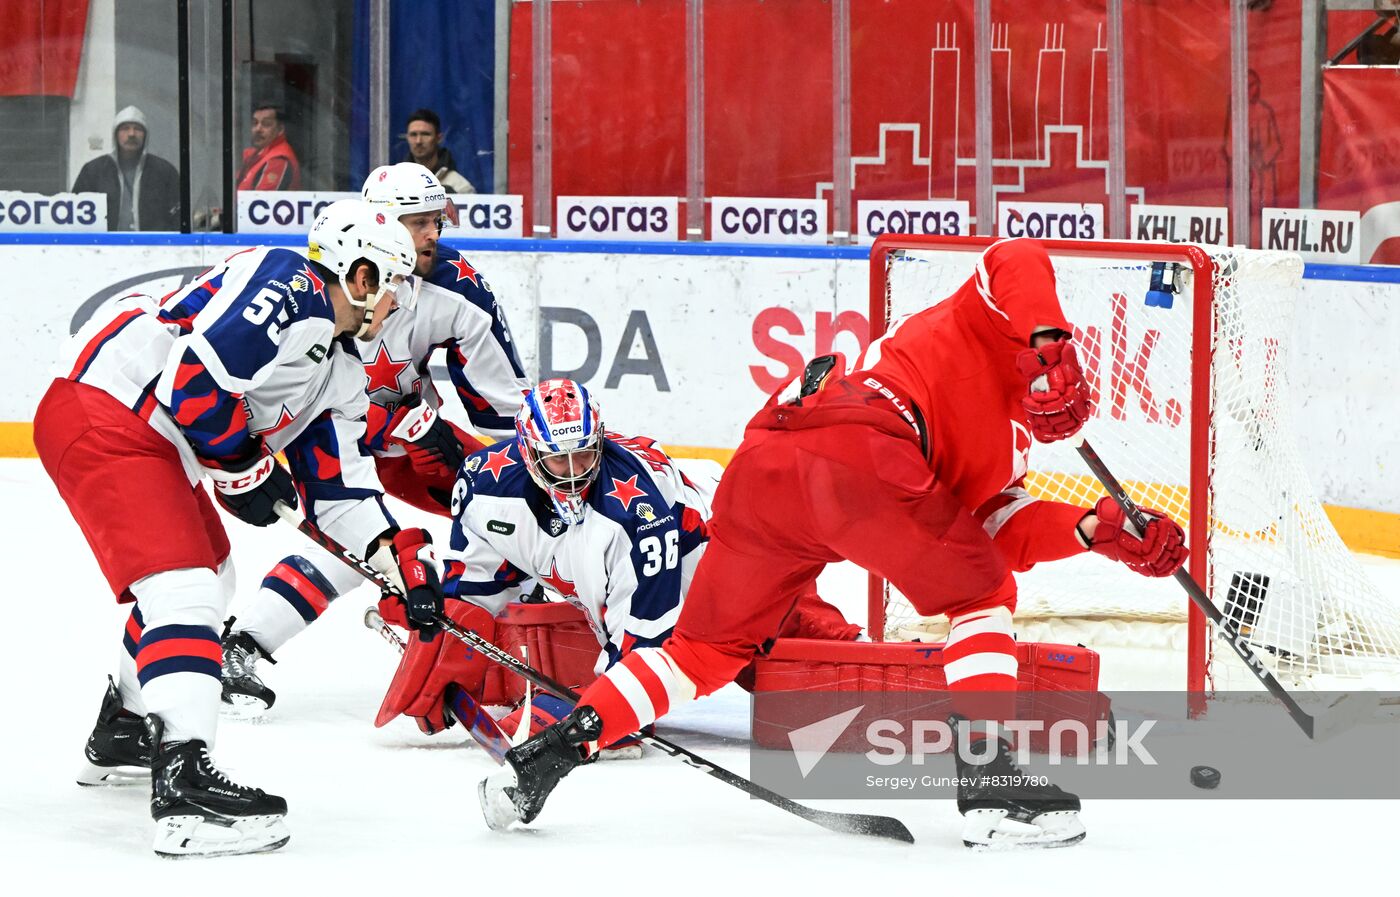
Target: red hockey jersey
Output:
[(957, 362)]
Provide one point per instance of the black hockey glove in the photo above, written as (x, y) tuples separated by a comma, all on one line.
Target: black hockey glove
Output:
[(251, 490)]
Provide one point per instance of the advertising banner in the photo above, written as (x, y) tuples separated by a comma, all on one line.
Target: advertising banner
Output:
[(64, 212), (616, 218), (753, 220)]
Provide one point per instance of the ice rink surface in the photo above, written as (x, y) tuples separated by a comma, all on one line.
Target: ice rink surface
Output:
[(373, 808)]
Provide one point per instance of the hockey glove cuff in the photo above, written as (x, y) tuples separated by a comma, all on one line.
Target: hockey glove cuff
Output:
[(251, 490), (433, 449)]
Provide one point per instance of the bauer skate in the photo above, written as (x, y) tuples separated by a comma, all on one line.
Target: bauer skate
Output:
[(518, 793), (118, 751), (1005, 808), (244, 695), (199, 811)]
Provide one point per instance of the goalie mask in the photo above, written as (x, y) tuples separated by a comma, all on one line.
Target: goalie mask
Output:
[(561, 441)]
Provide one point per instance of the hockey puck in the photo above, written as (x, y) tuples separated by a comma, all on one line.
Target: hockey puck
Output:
[(1205, 776)]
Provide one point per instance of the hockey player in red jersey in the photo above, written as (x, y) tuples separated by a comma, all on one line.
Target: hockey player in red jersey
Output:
[(912, 466), (255, 356)]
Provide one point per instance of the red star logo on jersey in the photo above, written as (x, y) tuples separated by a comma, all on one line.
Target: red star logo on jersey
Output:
[(383, 372), (465, 271), (284, 420), (626, 490), (557, 583), (317, 284), (497, 462)]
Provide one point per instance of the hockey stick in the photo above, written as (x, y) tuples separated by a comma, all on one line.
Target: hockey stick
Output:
[(464, 708), (850, 823), (1305, 720)]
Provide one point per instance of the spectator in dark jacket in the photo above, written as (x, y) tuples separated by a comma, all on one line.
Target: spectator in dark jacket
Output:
[(424, 136), (143, 191)]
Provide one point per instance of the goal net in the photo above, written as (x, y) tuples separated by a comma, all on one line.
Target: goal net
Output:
[(1187, 357)]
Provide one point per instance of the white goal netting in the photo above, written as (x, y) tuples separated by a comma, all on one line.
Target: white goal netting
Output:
[(1197, 425)]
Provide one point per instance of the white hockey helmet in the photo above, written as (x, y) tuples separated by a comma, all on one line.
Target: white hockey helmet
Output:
[(407, 188), (349, 230)]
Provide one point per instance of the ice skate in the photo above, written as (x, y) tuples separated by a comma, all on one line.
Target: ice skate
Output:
[(118, 751), (1005, 808), (200, 812), (518, 793), (245, 697)]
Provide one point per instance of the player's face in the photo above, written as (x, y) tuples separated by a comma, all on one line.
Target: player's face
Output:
[(266, 127), (425, 227), (131, 137), (574, 466), (423, 140)]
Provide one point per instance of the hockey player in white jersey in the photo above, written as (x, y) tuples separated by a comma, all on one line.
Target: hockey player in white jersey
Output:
[(446, 305), (254, 357), (608, 523)]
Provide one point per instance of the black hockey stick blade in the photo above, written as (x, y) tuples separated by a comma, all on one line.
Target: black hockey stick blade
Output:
[(1305, 720), (847, 823)]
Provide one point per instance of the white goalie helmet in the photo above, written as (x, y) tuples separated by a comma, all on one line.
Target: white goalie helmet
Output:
[(560, 432), (349, 230), (407, 188)]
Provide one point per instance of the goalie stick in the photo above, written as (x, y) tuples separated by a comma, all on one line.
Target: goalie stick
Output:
[(463, 706), (1306, 721), (849, 823)]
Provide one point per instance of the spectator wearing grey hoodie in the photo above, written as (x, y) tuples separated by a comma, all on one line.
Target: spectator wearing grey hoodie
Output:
[(143, 190)]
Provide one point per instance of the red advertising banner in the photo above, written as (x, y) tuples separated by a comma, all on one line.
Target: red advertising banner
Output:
[(619, 100), (1360, 154), (40, 45)]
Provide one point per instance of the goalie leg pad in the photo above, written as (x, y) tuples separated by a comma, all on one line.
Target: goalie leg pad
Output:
[(426, 669)]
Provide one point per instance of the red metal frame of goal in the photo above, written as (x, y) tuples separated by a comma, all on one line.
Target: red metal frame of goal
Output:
[(1203, 295)]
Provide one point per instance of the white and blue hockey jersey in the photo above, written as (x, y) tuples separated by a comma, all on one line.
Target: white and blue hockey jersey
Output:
[(627, 566), (456, 311), (246, 351)]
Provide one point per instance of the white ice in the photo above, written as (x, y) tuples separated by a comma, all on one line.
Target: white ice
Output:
[(373, 808)]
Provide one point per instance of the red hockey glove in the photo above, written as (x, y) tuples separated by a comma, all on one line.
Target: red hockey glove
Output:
[(419, 686), (1058, 399), (422, 579), (433, 449), (249, 489), (1160, 552)]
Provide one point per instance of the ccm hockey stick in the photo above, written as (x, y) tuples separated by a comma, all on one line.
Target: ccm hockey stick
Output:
[(849, 823), (1306, 721), (468, 712)]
